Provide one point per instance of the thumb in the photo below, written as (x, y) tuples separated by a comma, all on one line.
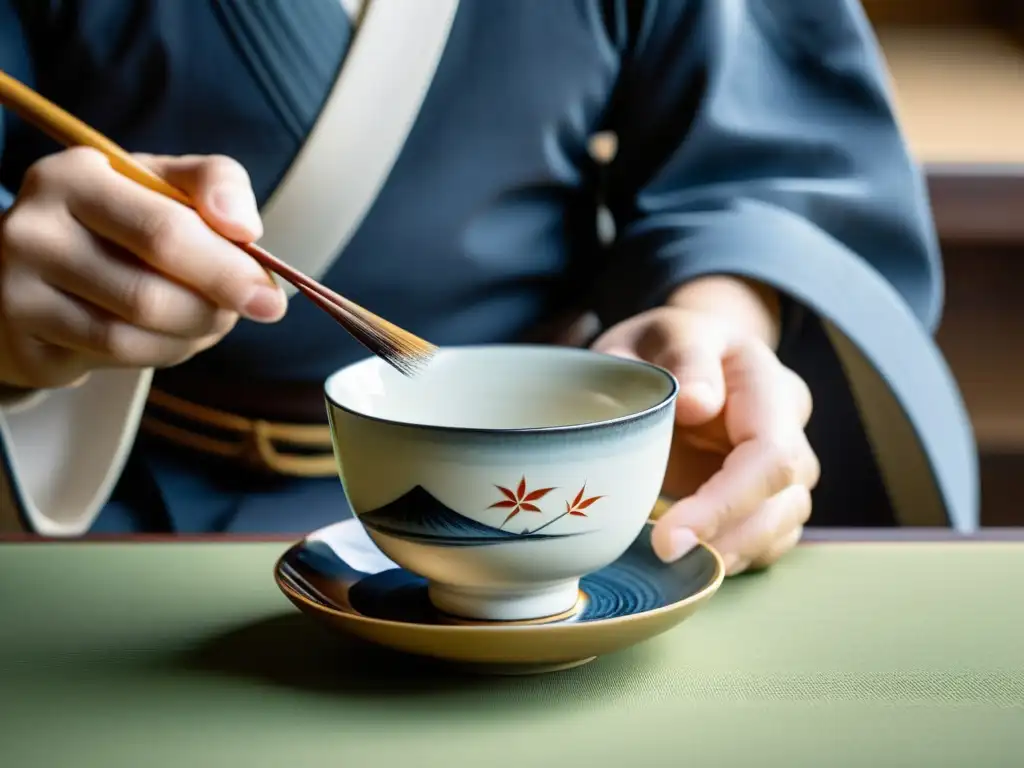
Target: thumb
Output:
[(694, 357), (701, 383), (220, 189)]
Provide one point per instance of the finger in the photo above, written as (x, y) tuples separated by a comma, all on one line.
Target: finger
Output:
[(800, 395), (696, 362), (55, 318), (754, 471), (761, 404), (83, 265), (770, 403), (781, 547), (219, 187), (38, 365), (689, 466), (620, 339), (617, 351), (759, 534), (708, 438), (172, 239), (45, 366), (672, 542)]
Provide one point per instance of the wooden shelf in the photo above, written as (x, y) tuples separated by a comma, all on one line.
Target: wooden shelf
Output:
[(959, 92), (1001, 475), (977, 205), (932, 11), (958, 84), (981, 337), (957, 68)]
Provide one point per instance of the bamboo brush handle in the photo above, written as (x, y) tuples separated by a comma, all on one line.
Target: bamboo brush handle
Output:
[(68, 130)]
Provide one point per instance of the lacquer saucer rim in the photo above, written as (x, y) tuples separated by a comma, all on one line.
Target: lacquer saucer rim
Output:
[(583, 627)]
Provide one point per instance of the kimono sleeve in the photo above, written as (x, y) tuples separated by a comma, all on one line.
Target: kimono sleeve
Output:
[(757, 138)]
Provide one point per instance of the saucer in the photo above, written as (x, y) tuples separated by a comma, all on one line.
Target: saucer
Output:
[(337, 575)]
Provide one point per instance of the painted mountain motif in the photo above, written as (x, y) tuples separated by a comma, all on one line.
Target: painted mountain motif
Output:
[(418, 516)]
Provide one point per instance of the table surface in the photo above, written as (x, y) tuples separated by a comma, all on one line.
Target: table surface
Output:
[(849, 653)]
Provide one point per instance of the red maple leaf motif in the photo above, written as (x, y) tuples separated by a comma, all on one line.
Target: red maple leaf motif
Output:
[(519, 500), (579, 503)]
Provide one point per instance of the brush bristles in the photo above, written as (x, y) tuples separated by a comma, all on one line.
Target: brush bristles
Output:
[(406, 353), (403, 351)]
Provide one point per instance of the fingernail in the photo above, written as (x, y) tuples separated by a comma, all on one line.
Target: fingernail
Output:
[(238, 206), (265, 304), (675, 544)]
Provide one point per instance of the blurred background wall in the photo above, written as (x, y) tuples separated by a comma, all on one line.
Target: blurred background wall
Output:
[(957, 68)]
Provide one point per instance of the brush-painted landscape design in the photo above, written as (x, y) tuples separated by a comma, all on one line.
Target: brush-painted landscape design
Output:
[(418, 516)]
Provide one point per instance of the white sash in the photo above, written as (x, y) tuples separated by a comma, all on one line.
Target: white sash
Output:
[(67, 452)]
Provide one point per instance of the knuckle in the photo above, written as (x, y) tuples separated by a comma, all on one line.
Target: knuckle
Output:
[(178, 353), (222, 322), (164, 234), (801, 503), (203, 319), (728, 509), (809, 467), (224, 167), (116, 340), (32, 236), (146, 302), (813, 469), (83, 158), (785, 463), (129, 345), (230, 281), (17, 232), (785, 544), (21, 299), (36, 176), (800, 394), (209, 325), (57, 170)]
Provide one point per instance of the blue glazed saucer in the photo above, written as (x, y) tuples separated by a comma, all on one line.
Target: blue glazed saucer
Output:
[(338, 575)]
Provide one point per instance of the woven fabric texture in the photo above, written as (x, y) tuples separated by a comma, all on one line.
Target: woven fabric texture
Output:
[(185, 654)]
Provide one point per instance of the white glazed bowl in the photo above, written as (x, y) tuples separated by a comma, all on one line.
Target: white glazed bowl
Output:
[(502, 474)]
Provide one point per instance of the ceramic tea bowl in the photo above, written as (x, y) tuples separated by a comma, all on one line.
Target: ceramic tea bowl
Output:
[(502, 474)]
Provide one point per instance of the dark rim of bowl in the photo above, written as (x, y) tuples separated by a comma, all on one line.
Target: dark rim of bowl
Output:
[(590, 425)]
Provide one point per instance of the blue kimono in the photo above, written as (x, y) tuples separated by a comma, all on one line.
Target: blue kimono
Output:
[(754, 138)]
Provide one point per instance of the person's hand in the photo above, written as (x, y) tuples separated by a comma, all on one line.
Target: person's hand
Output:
[(97, 271), (741, 464)]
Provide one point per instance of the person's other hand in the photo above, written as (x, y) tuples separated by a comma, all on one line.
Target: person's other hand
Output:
[(741, 464), (97, 271)]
